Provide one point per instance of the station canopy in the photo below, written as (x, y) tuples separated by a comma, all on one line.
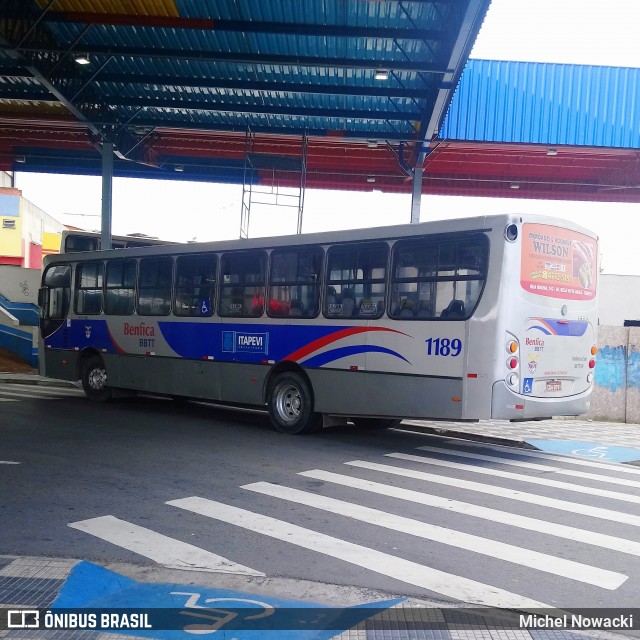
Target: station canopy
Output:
[(348, 93)]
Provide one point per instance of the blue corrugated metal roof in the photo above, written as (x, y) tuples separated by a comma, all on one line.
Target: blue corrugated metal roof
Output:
[(147, 56), (554, 104)]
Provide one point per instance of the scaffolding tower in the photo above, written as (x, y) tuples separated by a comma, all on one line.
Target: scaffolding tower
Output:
[(265, 177)]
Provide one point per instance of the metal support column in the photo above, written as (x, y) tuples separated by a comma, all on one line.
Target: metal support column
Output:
[(416, 195), (107, 189)]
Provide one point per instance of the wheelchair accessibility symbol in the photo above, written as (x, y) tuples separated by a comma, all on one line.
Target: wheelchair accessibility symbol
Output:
[(595, 452), (527, 385)]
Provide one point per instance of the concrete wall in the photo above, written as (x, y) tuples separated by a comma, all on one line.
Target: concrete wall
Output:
[(616, 395), (18, 311), (19, 285), (618, 299)]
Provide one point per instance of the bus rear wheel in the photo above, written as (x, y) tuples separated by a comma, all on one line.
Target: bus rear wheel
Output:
[(94, 380), (375, 423), (291, 405)]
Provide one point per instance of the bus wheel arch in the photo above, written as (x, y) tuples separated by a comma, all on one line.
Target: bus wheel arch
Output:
[(290, 401), (93, 375)]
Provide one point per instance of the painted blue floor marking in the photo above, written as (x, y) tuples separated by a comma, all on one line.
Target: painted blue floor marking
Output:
[(176, 610), (593, 450)]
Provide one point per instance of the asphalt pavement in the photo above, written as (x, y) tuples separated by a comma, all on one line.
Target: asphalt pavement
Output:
[(36, 584)]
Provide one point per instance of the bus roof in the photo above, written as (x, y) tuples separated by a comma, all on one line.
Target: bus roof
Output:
[(479, 223)]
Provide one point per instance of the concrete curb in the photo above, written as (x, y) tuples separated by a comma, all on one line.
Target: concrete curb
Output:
[(35, 380), (466, 435)]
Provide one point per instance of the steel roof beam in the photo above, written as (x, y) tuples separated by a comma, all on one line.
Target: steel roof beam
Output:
[(263, 85), (466, 34), (176, 125), (48, 85), (31, 94), (248, 26), (270, 109), (246, 58)]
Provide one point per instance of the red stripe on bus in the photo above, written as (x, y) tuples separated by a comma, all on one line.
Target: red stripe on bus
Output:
[(333, 337)]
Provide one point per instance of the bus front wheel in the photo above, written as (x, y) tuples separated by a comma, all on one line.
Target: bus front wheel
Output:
[(94, 380), (291, 405)]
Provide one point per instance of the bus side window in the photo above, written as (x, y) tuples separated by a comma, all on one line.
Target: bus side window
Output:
[(356, 281), (242, 286), (294, 282), (154, 286), (195, 285), (120, 287), (88, 288), (438, 278)]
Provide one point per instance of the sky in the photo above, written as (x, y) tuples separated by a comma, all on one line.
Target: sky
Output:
[(596, 32)]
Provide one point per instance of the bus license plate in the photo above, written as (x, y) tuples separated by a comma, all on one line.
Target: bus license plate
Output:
[(554, 385)]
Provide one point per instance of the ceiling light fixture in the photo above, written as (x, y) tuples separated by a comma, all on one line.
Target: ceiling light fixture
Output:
[(179, 168), (552, 152), (371, 178), (515, 185), (21, 159), (82, 58), (381, 74)]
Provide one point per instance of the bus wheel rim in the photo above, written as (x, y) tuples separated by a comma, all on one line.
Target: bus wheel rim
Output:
[(97, 379), (289, 403)]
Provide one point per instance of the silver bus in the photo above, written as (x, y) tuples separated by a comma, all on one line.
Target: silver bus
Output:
[(481, 318)]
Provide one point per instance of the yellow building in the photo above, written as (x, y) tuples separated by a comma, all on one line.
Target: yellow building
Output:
[(27, 233)]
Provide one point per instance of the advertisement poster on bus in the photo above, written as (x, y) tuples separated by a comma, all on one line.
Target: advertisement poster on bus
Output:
[(558, 262)]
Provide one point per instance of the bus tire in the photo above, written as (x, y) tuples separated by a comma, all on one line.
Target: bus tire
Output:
[(375, 423), (291, 405), (94, 380)]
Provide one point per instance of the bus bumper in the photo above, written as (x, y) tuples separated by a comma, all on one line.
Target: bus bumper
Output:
[(507, 405)]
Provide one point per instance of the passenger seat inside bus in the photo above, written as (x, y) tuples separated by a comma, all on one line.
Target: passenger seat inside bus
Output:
[(407, 308), (455, 309), (296, 308), (348, 303)]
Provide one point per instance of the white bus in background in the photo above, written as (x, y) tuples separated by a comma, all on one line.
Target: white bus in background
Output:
[(74, 240), (482, 318)]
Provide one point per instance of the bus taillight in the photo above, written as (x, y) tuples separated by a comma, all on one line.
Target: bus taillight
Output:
[(512, 346), (512, 363), (594, 350), (592, 363)]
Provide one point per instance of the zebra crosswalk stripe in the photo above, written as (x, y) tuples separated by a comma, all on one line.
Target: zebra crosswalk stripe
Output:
[(166, 551), (624, 482), (502, 551), (36, 390), (495, 490), (546, 482), (15, 395), (382, 563), (494, 515)]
